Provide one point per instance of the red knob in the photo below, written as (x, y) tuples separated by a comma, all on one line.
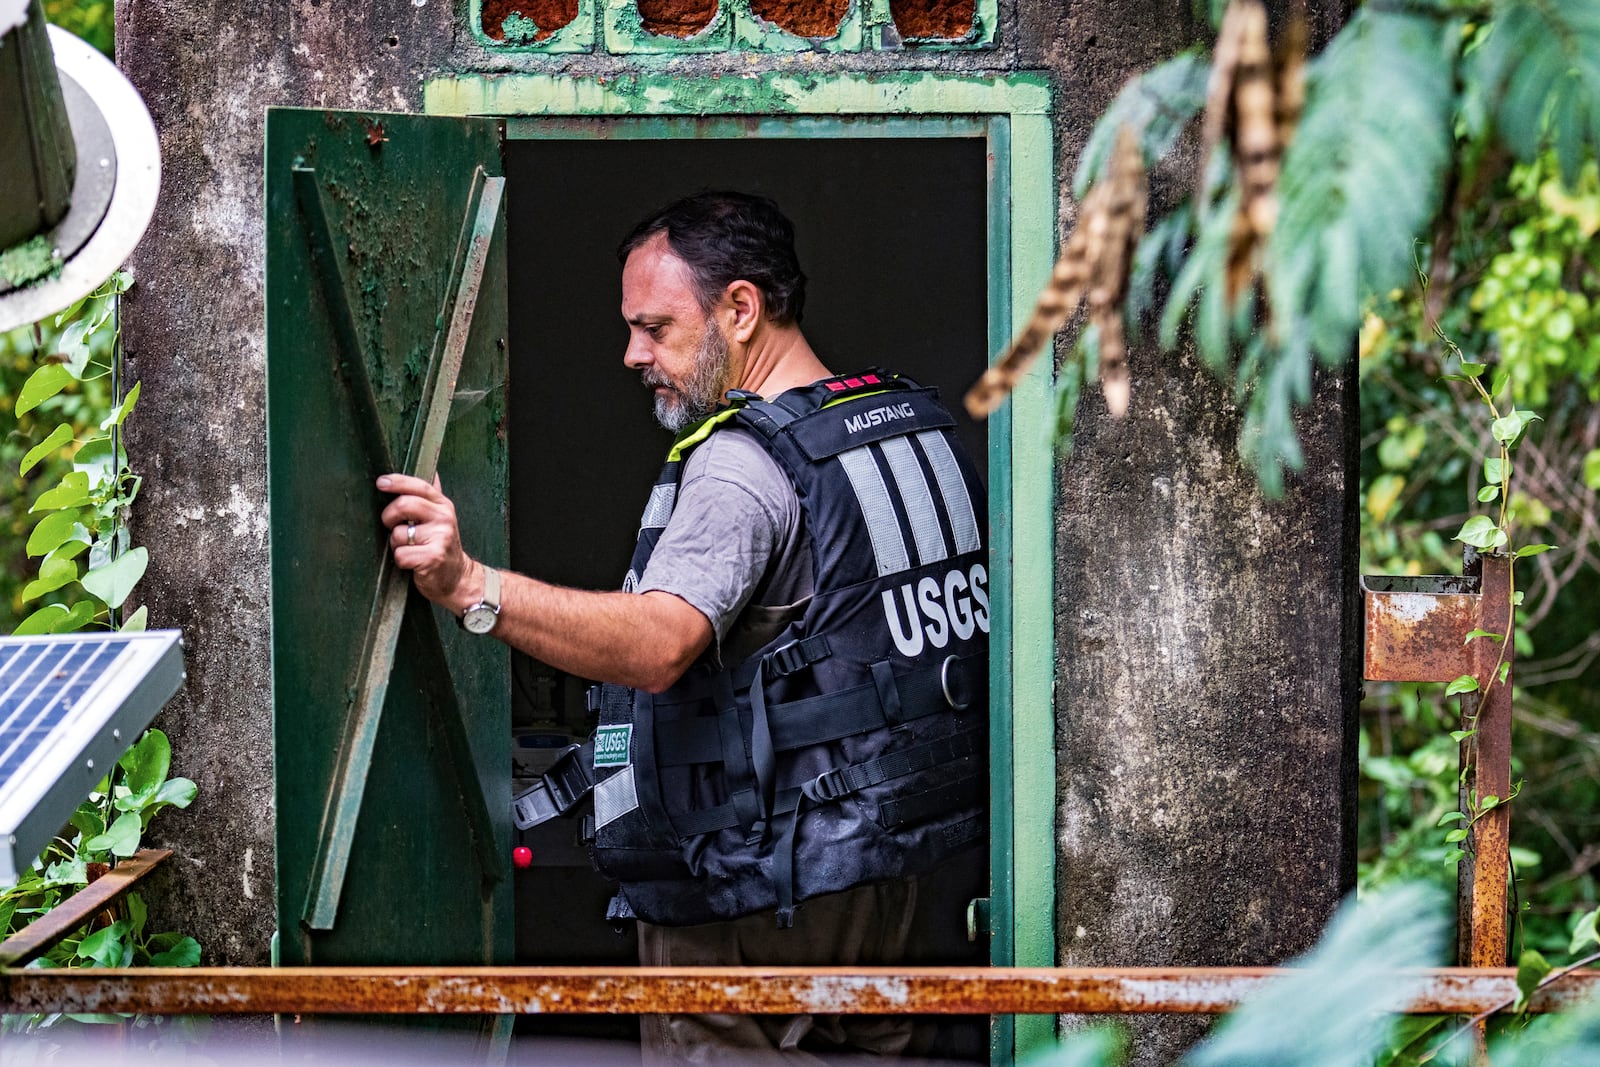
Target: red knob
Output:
[(522, 857)]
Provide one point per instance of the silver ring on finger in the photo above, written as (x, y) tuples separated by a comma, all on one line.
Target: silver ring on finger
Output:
[(411, 533)]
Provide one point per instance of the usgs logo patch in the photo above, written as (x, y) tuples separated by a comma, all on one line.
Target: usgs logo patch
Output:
[(877, 417), (611, 745), (933, 610)]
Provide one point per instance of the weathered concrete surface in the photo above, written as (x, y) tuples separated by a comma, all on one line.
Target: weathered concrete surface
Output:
[(1202, 686), (1207, 637)]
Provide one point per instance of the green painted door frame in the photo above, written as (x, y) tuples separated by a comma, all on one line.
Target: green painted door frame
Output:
[(1012, 114)]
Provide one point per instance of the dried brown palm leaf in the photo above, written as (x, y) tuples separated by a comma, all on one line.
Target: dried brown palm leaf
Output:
[(1226, 57), (1093, 262), (1108, 290)]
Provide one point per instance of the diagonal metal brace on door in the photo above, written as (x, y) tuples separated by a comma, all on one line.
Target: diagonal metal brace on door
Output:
[(343, 803)]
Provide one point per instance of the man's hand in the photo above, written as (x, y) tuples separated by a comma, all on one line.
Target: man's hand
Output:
[(426, 541)]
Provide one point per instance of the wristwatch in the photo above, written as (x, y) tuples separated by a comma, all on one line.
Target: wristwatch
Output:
[(481, 617)]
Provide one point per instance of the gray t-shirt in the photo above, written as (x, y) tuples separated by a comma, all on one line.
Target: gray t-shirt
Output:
[(734, 547)]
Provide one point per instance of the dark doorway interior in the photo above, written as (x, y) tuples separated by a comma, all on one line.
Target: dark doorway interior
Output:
[(892, 234)]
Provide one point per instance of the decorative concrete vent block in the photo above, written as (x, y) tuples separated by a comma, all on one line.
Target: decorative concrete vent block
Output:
[(535, 25), (935, 24), (800, 25), (635, 26)]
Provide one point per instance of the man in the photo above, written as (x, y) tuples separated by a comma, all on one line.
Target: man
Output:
[(791, 714)]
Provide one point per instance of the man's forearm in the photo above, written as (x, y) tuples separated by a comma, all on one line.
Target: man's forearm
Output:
[(642, 640)]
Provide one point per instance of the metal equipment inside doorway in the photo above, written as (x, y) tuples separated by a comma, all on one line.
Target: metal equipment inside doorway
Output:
[(892, 232)]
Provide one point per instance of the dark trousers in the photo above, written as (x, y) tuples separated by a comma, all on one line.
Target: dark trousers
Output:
[(866, 926)]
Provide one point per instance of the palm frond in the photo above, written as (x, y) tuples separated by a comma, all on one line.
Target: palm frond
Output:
[(1539, 71)]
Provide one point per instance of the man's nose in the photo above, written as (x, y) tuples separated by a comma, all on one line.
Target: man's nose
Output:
[(637, 355)]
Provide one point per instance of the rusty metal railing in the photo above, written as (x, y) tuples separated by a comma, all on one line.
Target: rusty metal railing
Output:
[(732, 990)]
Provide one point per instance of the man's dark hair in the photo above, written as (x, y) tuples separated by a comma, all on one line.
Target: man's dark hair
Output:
[(726, 237)]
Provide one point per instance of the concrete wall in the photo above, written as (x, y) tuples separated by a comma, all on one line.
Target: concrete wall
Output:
[(1206, 671)]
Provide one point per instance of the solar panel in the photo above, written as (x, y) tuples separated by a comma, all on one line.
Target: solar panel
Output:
[(70, 706)]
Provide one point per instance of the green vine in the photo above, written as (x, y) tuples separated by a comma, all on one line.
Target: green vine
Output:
[(87, 567)]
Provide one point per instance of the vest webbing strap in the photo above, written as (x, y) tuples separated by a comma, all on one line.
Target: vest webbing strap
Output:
[(842, 781), (812, 720), (959, 749), (961, 793)]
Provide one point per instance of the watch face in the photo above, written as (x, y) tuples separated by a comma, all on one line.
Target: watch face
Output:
[(479, 619)]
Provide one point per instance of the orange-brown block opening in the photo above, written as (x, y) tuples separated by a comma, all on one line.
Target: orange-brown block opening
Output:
[(949, 19), (676, 18), (803, 18), (546, 16)]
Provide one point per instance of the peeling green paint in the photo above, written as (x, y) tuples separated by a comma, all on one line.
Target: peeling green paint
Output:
[(521, 32), (786, 93)]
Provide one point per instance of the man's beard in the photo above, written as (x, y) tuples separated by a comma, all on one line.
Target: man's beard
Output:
[(702, 390)]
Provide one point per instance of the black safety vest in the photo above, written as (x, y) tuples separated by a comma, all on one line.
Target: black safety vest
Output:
[(851, 748)]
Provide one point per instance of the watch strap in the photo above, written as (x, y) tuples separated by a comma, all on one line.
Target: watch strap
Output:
[(491, 589)]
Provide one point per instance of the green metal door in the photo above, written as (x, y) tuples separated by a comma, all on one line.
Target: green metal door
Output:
[(385, 351)]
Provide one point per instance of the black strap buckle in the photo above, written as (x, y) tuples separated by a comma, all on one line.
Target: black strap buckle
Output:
[(825, 787), (797, 654), (556, 792)]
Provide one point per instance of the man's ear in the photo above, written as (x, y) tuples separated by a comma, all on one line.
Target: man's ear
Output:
[(744, 302)]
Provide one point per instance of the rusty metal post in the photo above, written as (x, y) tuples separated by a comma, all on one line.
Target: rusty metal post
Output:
[(1486, 758)]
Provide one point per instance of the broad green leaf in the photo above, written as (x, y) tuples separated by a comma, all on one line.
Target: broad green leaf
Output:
[(113, 582), (87, 821), (186, 953), (1488, 493), (1464, 684), (54, 530), (122, 838), (1531, 970), (1516, 598), (1454, 855), (137, 913), (80, 615), (147, 762), (1494, 469), (1450, 816), (1459, 736), (73, 345), (39, 622), (175, 792), (1507, 428), (1505, 670), (104, 946), (1531, 550), (1489, 801), (71, 492), (58, 437), (1458, 834), (1480, 532), (1584, 934), (1473, 370), (124, 409), (94, 458), (53, 574), (136, 622), (41, 385), (1475, 634)]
